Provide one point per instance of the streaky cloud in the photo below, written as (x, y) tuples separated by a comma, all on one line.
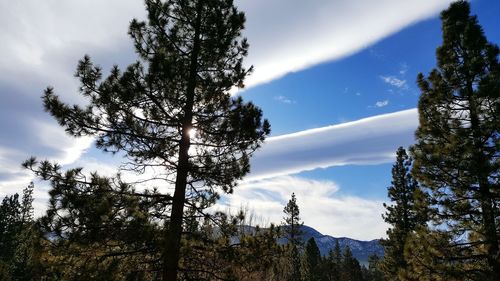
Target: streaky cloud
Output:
[(319, 202), (371, 140), (291, 35)]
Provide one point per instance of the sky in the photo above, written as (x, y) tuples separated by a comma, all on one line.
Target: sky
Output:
[(336, 79)]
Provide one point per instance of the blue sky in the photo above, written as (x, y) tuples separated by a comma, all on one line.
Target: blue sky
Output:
[(336, 79)]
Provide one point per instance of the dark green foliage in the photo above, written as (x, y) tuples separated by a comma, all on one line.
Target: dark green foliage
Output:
[(170, 110), (293, 263), (427, 253), (225, 251), (350, 268), (373, 273), (334, 263), (10, 225), (18, 237), (292, 222), (259, 256), (457, 150), (293, 234), (340, 266), (402, 215), (99, 227), (312, 258)]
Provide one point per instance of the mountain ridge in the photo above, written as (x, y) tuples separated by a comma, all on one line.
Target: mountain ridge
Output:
[(361, 250)]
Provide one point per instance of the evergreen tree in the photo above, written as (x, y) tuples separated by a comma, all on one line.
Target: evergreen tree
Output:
[(374, 273), (457, 149), (337, 261), (18, 236), (332, 263), (427, 254), (293, 234), (402, 215), (10, 226), (171, 109), (312, 258), (294, 264), (101, 230), (293, 223), (350, 269)]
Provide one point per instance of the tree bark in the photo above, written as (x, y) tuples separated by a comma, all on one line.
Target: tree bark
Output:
[(485, 196), (171, 255)]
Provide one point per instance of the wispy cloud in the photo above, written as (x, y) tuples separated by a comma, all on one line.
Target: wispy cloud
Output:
[(382, 103), (284, 99), (370, 140), (66, 149), (318, 201), (291, 35), (394, 81), (403, 68), (52, 144), (42, 41)]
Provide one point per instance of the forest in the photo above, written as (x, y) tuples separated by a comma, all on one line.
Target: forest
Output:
[(175, 110)]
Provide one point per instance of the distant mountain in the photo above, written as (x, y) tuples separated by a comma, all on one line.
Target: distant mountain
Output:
[(360, 249)]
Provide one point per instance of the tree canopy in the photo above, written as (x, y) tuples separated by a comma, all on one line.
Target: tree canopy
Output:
[(171, 110), (403, 215), (457, 148)]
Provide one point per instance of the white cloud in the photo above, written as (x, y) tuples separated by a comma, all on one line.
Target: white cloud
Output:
[(67, 149), (285, 35), (370, 140), (290, 35), (284, 99), (49, 143), (320, 206), (382, 103), (42, 41), (403, 68), (394, 81)]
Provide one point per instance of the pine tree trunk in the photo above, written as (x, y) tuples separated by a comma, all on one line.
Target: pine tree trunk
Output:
[(171, 255), (485, 196)]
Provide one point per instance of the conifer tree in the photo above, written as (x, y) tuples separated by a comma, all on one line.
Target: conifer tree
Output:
[(171, 110), (10, 224), (336, 257), (18, 236), (350, 269), (293, 223), (401, 215), (312, 258), (458, 143), (332, 263), (293, 234), (374, 273)]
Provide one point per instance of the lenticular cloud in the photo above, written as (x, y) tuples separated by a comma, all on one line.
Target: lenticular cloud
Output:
[(291, 35), (372, 140)]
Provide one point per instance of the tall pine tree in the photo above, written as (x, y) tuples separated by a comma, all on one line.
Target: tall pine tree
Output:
[(172, 109), (293, 234), (458, 143), (401, 215), (350, 269), (335, 257), (293, 224), (18, 237), (312, 259)]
